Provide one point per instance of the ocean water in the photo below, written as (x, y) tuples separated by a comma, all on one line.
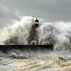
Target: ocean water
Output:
[(56, 59), (17, 60)]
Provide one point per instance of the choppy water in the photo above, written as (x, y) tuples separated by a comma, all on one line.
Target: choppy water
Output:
[(58, 59), (17, 60)]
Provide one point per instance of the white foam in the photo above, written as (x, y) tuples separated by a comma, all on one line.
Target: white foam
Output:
[(57, 33)]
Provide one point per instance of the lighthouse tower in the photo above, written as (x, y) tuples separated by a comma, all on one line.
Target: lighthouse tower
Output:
[(33, 35)]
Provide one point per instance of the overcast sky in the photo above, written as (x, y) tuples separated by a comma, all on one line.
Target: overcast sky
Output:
[(50, 10)]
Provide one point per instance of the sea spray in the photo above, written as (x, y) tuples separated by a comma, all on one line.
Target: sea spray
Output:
[(56, 34)]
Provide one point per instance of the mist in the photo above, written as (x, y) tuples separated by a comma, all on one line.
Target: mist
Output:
[(57, 34)]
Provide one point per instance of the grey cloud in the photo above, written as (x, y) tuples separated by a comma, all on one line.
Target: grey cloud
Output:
[(50, 10)]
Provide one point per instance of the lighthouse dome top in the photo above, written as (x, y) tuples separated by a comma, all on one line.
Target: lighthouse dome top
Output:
[(36, 20)]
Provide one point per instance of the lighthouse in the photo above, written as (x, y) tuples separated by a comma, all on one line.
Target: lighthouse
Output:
[(36, 24), (33, 35)]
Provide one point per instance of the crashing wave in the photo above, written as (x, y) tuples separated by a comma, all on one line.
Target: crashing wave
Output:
[(57, 34)]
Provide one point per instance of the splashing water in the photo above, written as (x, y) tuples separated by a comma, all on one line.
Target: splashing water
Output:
[(56, 34)]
